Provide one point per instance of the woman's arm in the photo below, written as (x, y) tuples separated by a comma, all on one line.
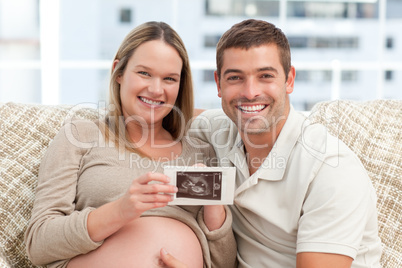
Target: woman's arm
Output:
[(221, 241), (214, 216), (57, 231), (140, 197)]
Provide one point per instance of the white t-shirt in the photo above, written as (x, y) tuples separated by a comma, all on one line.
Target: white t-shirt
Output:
[(311, 194)]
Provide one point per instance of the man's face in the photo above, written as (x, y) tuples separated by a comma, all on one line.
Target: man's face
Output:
[(254, 88)]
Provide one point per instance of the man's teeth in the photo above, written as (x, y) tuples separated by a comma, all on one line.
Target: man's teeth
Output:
[(151, 102), (251, 108)]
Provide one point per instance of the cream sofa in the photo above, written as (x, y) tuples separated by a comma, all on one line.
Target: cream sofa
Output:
[(372, 129)]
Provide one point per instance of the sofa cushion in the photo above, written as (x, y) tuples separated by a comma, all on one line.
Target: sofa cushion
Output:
[(373, 130), (25, 132)]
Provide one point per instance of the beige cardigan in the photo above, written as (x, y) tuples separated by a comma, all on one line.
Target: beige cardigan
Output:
[(81, 172)]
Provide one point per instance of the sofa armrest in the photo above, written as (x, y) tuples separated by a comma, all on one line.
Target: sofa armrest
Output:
[(25, 131)]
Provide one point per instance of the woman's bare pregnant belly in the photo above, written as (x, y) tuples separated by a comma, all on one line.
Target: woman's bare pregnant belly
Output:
[(138, 244)]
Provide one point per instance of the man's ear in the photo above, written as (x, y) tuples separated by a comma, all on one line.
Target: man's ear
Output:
[(118, 79), (291, 80), (218, 86)]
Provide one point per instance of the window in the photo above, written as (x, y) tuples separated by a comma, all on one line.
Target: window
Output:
[(389, 75), (316, 76), (347, 42), (208, 76), (389, 43), (349, 76), (267, 8), (125, 15), (332, 9), (298, 42), (302, 76), (394, 9), (323, 42), (211, 40)]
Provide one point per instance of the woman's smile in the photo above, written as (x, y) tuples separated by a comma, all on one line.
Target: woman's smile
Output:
[(150, 102)]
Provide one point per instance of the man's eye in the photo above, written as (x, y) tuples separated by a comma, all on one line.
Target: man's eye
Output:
[(234, 77), (267, 76)]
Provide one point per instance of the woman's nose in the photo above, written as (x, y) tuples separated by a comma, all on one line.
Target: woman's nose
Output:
[(156, 87)]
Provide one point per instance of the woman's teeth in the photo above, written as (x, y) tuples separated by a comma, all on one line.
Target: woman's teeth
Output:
[(151, 102), (251, 108)]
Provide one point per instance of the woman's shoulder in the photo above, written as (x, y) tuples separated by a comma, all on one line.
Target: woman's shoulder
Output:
[(194, 146), (81, 129), (195, 142)]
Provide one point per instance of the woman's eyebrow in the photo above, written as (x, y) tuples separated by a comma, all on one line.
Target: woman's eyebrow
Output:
[(148, 69)]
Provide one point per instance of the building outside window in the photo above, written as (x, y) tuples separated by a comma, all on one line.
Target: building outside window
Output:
[(61, 51)]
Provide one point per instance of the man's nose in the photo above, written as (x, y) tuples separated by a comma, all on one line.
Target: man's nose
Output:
[(251, 89)]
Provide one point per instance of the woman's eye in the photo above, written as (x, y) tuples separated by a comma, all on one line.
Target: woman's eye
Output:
[(143, 73), (170, 79)]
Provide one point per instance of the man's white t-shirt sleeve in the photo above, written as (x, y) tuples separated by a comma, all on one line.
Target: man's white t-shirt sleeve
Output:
[(336, 207)]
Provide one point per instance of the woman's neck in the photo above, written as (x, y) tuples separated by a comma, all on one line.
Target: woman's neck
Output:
[(154, 141), (147, 134)]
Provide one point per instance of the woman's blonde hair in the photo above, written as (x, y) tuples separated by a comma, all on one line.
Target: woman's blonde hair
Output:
[(176, 121)]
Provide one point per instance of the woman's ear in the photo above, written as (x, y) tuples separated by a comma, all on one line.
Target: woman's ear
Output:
[(113, 67)]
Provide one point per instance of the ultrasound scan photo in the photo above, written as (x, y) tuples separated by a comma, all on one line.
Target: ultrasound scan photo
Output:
[(199, 185)]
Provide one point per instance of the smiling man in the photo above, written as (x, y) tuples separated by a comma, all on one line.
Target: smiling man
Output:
[(302, 197)]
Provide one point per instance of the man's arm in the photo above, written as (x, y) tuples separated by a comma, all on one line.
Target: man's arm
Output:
[(338, 210), (322, 260)]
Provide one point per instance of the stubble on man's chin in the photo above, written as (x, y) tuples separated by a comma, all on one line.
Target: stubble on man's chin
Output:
[(254, 126)]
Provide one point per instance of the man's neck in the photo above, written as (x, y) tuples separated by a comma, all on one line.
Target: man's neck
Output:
[(258, 146)]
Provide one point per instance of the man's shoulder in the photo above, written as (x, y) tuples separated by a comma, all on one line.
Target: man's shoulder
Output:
[(316, 141), (214, 127), (212, 119)]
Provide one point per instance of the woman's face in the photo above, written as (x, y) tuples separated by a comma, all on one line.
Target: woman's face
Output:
[(150, 83)]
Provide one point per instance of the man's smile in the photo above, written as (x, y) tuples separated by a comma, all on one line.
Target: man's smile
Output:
[(256, 108)]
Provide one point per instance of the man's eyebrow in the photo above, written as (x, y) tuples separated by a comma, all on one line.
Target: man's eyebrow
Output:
[(231, 71), (268, 69), (272, 69)]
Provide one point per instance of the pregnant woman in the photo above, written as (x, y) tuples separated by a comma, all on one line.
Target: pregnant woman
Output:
[(102, 200)]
